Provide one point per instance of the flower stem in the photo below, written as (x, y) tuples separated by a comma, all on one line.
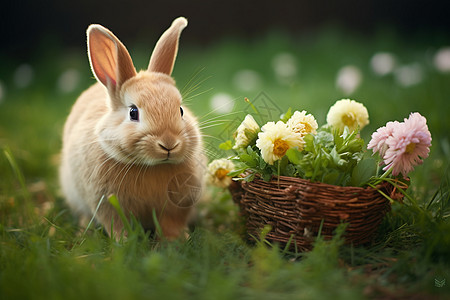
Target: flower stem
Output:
[(279, 170), (387, 173), (252, 106), (383, 176), (378, 167)]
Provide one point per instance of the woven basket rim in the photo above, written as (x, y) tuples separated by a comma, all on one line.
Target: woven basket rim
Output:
[(274, 179)]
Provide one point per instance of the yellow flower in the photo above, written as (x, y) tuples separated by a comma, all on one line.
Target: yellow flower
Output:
[(275, 139), (217, 172), (302, 123), (348, 113), (246, 133)]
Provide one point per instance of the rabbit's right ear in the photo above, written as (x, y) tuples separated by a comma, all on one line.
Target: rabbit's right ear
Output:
[(110, 61), (166, 49)]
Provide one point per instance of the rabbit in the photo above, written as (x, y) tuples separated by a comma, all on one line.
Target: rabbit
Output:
[(128, 135)]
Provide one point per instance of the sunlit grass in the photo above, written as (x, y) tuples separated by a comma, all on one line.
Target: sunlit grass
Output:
[(44, 254)]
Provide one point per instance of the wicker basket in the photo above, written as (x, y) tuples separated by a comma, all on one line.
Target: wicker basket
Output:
[(295, 209)]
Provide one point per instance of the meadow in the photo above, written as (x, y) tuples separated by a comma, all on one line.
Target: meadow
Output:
[(44, 254)]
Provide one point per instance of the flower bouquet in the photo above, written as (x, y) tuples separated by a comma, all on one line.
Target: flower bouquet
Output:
[(304, 181)]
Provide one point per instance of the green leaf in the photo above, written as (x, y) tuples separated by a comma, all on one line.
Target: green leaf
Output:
[(331, 178), (266, 176), (336, 158), (262, 163), (290, 170), (249, 160), (158, 228), (17, 171), (236, 172), (115, 203), (286, 116), (246, 157), (309, 142), (363, 171), (323, 138), (283, 162), (294, 156), (226, 145), (249, 177), (250, 149)]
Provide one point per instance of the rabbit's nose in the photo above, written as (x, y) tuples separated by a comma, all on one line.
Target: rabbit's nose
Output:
[(168, 147)]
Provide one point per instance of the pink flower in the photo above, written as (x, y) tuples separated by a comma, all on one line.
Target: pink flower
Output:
[(378, 141), (408, 146), (402, 145)]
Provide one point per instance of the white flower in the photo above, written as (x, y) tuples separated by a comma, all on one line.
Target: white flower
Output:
[(348, 113), (222, 103), (409, 75), (302, 123), (285, 67), (348, 79), (69, 80), (247, 80), (275, 139), (23, 76), (383, 63), (246, 133), (442, 60), (217, 172)]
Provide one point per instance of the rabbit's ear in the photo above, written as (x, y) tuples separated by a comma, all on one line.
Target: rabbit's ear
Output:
[(165, 52), (110, 61)]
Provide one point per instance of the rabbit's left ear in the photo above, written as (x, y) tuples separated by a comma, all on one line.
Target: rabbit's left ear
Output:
[(165, 52), (110, 61)]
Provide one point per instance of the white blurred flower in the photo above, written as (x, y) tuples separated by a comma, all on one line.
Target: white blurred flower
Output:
[(383, 63), (23, 76), (302, 123), (246, 133), (285, 67), (69, 80), (442, 59), (247, 80), (348, 79), (409, 75), (275, 139), (348, 113), (217, 172), (222, 103)]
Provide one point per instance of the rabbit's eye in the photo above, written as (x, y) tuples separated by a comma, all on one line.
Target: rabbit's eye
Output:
[(134, 113), (181, 111)]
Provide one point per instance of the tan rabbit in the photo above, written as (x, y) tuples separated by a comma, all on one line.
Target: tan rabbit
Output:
[(128, 135)]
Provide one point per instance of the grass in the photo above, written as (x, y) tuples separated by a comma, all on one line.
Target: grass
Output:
[(45, 255)]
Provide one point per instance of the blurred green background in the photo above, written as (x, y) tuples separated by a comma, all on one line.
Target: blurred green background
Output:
[(297, 54), (394, 57)]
